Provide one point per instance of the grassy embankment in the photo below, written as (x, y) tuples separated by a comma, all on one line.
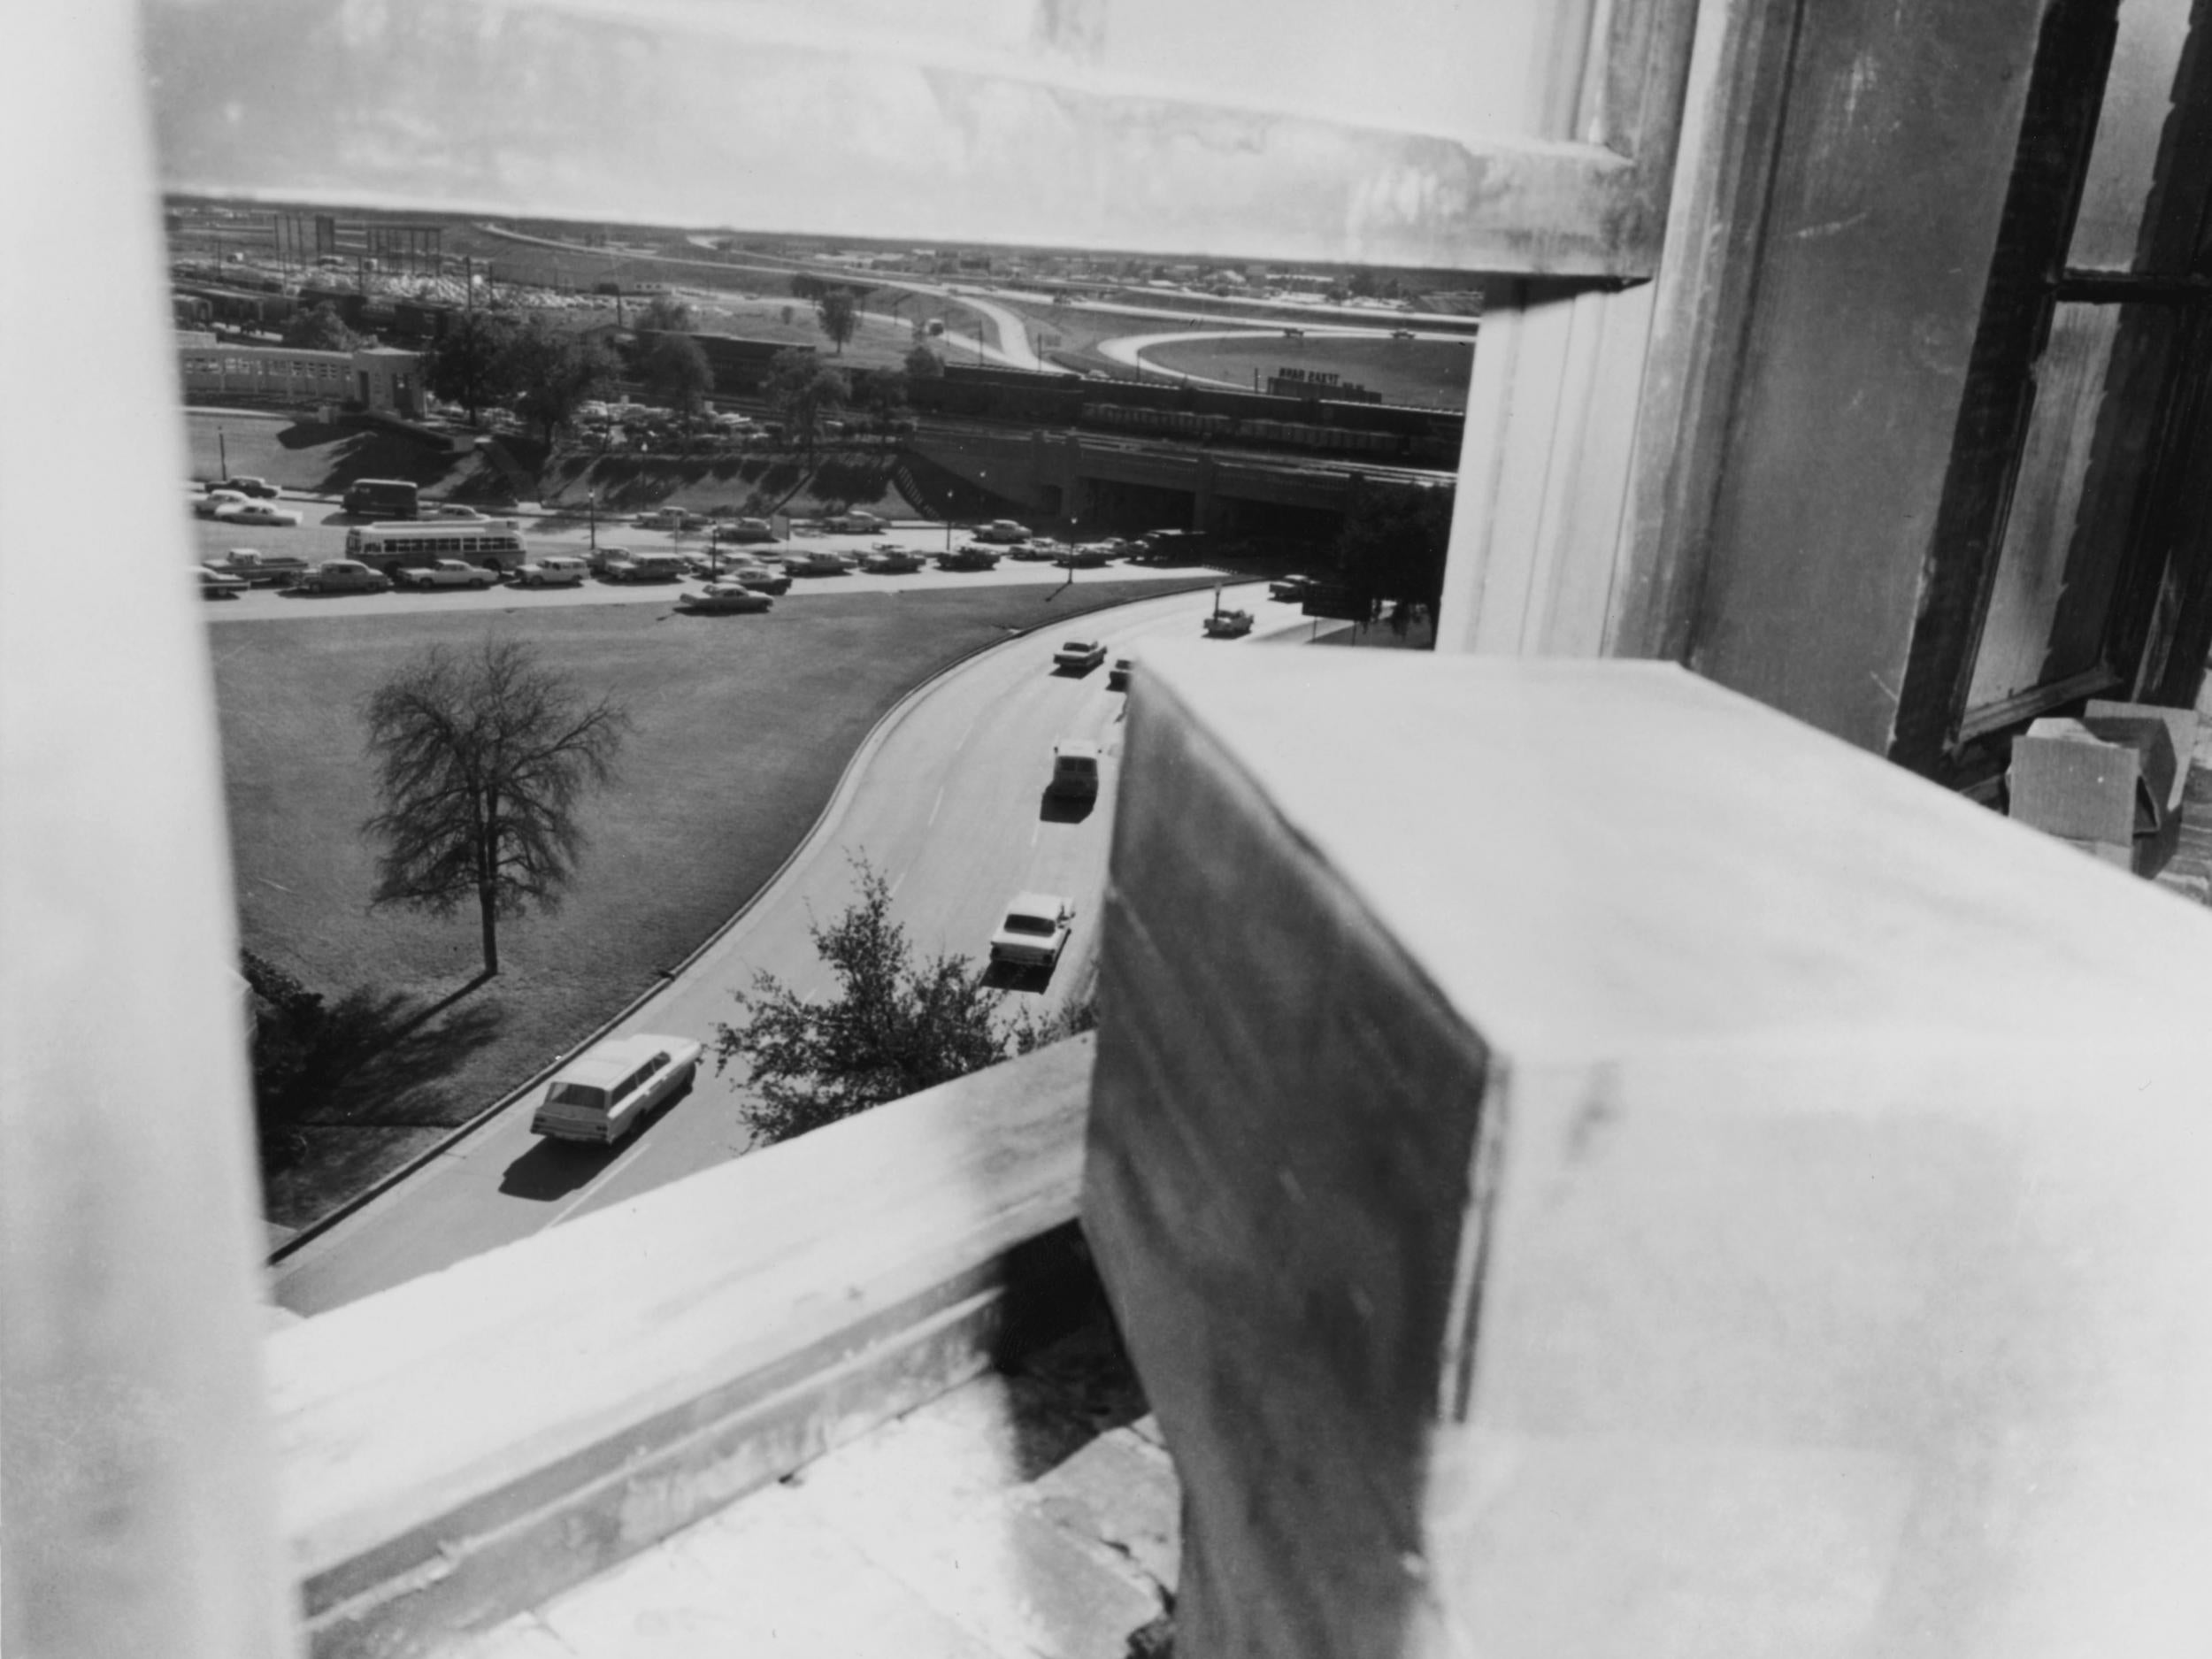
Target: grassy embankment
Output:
[(737, 744)]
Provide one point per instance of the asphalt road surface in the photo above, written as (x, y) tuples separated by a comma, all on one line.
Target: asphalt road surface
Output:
[(947, 800)]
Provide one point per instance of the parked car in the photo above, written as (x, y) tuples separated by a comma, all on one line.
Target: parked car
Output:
[(448, 573), (1081, 656), (259, 488), (216, 584), (1035, 931), (855, 523), (215, 501), (1002, 530), (746, 530), (1088, 555), (551, 570), (1118, 676), (600, 557), (257, 512), (1037, 548), (258, 569), (1292, 588), (608, 1092), (1228, 624), (671, 519), (892, 561), (343, 576), (720, 597), (1074, 770), (819, 562)]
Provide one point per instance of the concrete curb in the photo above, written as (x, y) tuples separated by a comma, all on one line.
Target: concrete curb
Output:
[(847, 781)]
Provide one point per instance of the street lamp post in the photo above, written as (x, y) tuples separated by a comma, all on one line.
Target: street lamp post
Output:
[(591, 505)]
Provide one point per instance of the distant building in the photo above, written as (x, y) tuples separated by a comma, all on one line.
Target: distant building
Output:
[(378, 377)]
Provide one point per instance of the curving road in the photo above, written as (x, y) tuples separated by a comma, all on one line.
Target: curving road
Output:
[(946, 800)]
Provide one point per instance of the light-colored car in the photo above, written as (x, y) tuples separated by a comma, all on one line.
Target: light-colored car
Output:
[(454, 510), (600, 557), (892, 561), (1034, 931), (856, 523), (819, 562), (671, 519), (343, 576), (747, 530), (258, 569), (448, 573), (1074, 770), (1228, 624), (1292, 588), (1002, 530), (607, 1093), (220, 584), (766, 579), (212, 504), (552, 571), (257, 512), (1081, 656), (719, 598)]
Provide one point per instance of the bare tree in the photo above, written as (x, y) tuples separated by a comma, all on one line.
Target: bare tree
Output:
[(482, 759)]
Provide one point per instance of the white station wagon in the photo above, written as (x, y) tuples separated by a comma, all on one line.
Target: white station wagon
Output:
[(609, 1091)]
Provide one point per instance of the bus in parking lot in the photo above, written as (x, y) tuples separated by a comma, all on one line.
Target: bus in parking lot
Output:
[(495, 543)]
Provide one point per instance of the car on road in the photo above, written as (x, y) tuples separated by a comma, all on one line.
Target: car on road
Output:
[(343, 576), (257, 512), (215, 501), (856, 523), (746, 530), (644, 567), (1088, 556), (1292, 588), (671, 519), (1034, 931), (1074, 770), (1118, 676), (609, 1091), (1402, 333), (258, 569), (1005, 531), (216, 584), (721, 598), (1228, 624), (454, 510), (892, 561), (765, 579), (974, 556), (247, 485), (1081, 656), (552, 570), (446, 574), (819, 562)]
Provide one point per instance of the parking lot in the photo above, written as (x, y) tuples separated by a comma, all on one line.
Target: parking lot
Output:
[(321, 534)]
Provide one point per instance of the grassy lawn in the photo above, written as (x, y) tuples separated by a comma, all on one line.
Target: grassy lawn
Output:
[(737, 747)]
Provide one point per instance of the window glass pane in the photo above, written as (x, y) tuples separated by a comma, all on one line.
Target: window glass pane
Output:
[(2088, 444), (2138, 96)]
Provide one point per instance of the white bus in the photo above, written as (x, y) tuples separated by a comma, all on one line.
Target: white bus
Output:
[(495, 543)]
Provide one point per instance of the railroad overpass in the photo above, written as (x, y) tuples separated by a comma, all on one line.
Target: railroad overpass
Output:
[(1092, 478)]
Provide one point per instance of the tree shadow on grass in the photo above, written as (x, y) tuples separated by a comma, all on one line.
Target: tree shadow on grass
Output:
[(387, 1058)]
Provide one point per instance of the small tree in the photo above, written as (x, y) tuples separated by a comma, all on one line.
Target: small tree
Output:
[(1392, 549), (482, 760), (468, 364), (553, 372), (319, 329), (840, 314), (804, 392), (667, 313), (893, 1027), (677, 369)]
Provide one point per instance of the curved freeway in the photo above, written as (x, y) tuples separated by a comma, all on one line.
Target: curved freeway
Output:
[(946, 800)]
